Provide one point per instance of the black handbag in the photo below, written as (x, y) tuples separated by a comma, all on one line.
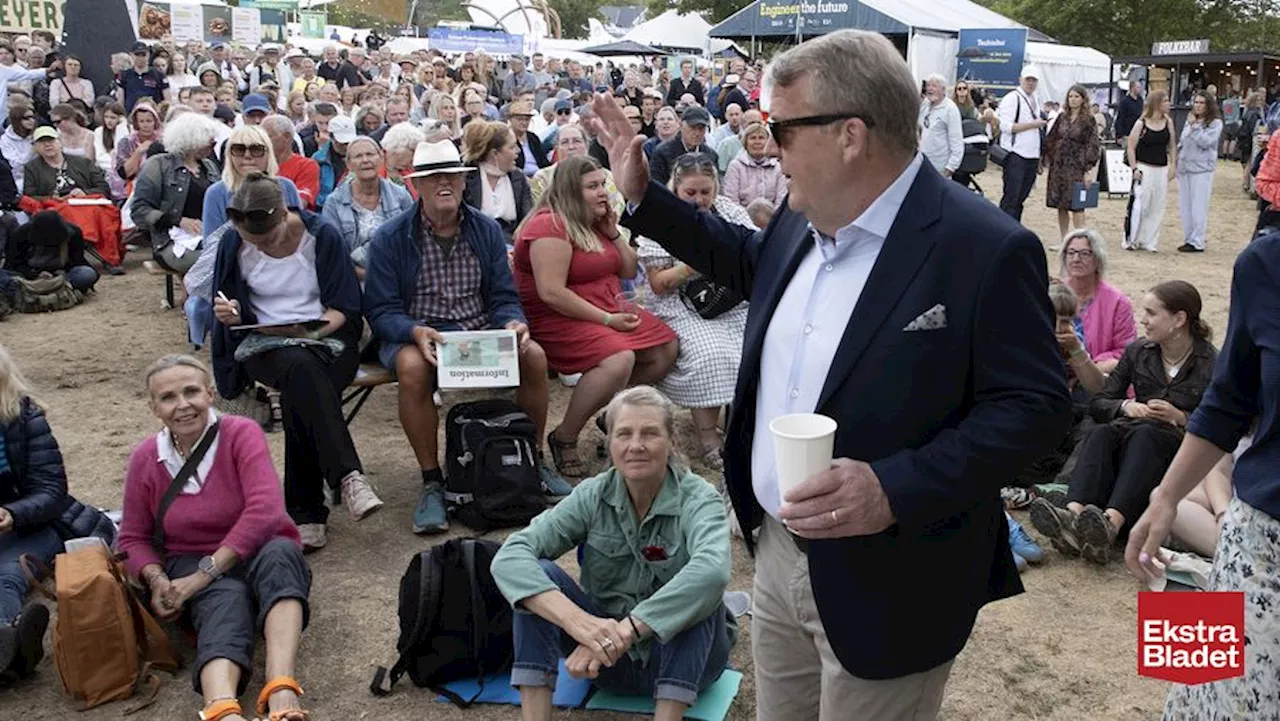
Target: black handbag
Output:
[(708, 299)]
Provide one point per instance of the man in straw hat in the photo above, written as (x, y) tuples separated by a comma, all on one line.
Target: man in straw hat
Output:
[(442, 266)]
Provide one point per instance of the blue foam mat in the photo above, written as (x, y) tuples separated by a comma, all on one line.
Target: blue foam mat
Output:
[(712, 705)]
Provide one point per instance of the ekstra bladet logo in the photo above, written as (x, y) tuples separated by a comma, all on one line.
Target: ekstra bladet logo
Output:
[(1191, 638)]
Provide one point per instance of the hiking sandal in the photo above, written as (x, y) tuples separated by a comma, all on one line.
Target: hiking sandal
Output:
[(221, 709), (281, 683), (571, 467)]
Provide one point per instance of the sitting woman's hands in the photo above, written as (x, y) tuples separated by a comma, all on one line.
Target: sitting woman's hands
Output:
[(585, 661), (227, 311), (162, 598), (603, 638), (181, 590), (1069, 342), (6, 521), (1163, 410), (192, 226), (1134, 409), (625, 322)]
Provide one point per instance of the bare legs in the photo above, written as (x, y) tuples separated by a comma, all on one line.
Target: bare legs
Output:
[(418, 414), (1195, 524), (220, 678), (1068, 219)]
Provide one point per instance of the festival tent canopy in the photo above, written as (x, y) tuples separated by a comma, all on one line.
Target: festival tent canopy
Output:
[(622, 47), (778, 18), (675, 31)]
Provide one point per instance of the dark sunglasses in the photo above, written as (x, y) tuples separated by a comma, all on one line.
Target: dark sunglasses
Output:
[(691, 160), (250, 217), (962, 89), (781, 129), (564, 112), (254, 151)]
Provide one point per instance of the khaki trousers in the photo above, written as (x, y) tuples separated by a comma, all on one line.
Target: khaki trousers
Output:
[(798, 677)]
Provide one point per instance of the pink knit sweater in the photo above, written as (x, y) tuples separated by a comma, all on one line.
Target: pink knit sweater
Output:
[(241, 505)]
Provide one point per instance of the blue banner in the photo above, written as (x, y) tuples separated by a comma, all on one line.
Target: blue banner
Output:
[(991, 58), (450, 40)]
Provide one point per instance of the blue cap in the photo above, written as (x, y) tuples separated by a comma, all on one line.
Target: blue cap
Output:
[(255, 102), (563, 105)]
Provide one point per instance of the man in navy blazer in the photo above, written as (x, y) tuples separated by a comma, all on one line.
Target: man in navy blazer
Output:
[(916, 315)]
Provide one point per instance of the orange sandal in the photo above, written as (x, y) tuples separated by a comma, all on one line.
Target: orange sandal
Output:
[(221, 709), (281, 683)]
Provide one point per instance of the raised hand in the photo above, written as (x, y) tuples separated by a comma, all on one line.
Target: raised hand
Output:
[(626, 147)]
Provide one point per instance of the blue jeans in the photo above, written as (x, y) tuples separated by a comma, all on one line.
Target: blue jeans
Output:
[(199, 314), (42, 543), (676, 671), (1019, 177)]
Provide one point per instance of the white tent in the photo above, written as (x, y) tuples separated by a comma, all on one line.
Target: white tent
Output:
[(1062, 66), (672, 30)]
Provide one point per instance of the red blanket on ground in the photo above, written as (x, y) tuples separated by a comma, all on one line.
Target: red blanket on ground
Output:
[(100, 224)]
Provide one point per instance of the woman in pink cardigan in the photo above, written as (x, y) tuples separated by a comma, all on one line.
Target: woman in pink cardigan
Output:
[(225, 554), (753, 173), (1105, 311)]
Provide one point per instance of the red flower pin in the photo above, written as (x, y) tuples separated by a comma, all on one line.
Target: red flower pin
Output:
[(654, 553)]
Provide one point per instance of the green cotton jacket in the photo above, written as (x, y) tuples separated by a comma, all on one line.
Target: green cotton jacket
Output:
[(687, 522)]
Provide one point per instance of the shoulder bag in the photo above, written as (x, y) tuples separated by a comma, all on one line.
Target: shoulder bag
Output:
[(179, 480)]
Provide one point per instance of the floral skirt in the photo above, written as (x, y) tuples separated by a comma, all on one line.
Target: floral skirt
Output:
[(1248, 560)]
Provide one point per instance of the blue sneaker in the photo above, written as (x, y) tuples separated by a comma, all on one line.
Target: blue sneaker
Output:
[(1021, 543), (554, 486), (1020, 562), (429, 516)]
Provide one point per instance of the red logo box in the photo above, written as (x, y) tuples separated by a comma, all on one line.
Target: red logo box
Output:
[(1191, 638)]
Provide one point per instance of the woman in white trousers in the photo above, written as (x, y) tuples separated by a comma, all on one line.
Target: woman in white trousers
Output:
[(1153, 155), (1197, 159)]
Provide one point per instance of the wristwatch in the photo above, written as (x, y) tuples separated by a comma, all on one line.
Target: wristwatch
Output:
[(209, 567)]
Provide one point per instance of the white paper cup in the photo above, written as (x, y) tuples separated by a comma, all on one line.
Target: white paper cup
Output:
[(802, 447)]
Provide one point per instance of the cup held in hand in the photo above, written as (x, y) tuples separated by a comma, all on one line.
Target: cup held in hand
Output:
[(802, 447)]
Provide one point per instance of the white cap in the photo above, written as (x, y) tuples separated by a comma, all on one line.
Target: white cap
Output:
[(342, 129), (1030, 71)]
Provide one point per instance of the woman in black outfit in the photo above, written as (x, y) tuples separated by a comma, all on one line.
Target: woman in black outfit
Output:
[(1124, 458)]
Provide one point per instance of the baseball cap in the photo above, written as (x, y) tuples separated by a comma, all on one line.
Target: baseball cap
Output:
[(256, 103), (140, 48), (44, 132), (1030, 71), (271, 48), (563, 105), (342, 129), (696, 116), (224, 113), (258, 205), (218, 46)]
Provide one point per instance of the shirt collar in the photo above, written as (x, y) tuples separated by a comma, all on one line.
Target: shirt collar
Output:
[(167, 450), (878, 218), (667, 502)]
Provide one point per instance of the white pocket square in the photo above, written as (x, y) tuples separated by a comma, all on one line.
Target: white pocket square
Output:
[(933, 319)]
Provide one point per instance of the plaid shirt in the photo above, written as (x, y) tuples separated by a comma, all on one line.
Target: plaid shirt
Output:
[(448, 290)]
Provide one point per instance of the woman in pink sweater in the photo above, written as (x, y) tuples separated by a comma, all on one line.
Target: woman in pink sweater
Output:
[(1105, 311), (225, 553)]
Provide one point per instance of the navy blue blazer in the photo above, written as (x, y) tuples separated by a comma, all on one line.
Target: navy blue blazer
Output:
[(945, 417)]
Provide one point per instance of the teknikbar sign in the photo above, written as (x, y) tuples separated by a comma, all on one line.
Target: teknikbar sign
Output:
[(1180, 47)]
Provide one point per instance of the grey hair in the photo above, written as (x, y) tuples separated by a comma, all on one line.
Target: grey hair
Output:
[(176, 111), (1096, 244), (402, 136), (364, 139), (937, 78), (187, 133), (277, 124), (649, 397), (175, 360), (856, 72)]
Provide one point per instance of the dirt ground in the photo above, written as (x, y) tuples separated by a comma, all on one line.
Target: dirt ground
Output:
[(1065, 649)]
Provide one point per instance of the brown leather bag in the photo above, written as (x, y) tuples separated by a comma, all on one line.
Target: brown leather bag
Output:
[(105, 642)]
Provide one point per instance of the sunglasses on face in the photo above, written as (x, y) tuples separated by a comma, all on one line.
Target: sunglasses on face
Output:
[(252, 217), (564, 112), (782, 129), (962, 89), (239, 150)]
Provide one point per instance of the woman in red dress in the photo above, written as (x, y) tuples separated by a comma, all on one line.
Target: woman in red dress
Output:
[(569, 261)]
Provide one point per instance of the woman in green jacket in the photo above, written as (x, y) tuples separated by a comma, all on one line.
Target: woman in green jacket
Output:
[(648, 617)]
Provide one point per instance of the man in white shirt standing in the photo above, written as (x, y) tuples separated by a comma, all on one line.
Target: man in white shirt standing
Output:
[(1021, 133), (941, 139)]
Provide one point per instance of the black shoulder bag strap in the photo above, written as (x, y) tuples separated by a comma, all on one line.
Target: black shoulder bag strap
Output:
[(430, 582), (479, 627), (179, 480)]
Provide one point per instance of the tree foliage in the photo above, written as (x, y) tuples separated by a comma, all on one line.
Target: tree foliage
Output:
[(1129, 27), (574, 15)]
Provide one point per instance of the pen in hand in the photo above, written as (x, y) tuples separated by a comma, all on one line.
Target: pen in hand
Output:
[(225, 299)]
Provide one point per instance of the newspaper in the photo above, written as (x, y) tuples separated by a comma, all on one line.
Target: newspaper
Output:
[(479, 359)]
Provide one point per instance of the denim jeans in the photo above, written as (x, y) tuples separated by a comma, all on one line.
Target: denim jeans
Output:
[(675, 671), (1019, 177), (199, 314), (43, 543)]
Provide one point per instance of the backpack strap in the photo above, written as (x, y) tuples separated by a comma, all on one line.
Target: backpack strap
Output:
[(179, 480), (430, 580), (479, 626)]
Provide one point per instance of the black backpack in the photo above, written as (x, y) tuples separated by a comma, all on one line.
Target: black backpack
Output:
[(454, 622), (491, 465)]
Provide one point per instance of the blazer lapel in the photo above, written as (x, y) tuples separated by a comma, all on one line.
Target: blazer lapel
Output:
[(905, 250), (794, 237)]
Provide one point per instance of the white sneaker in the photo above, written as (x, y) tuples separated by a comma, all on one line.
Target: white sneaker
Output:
[(313, 536), (359, 497), (570, 380)]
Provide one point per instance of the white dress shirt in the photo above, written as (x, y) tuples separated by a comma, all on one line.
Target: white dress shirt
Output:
[(1016, 106), (810, 320)]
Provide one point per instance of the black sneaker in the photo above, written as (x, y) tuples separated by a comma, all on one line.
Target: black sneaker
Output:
[(1057, 524), (22, 644), (1189, 248), (1096, 534)]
